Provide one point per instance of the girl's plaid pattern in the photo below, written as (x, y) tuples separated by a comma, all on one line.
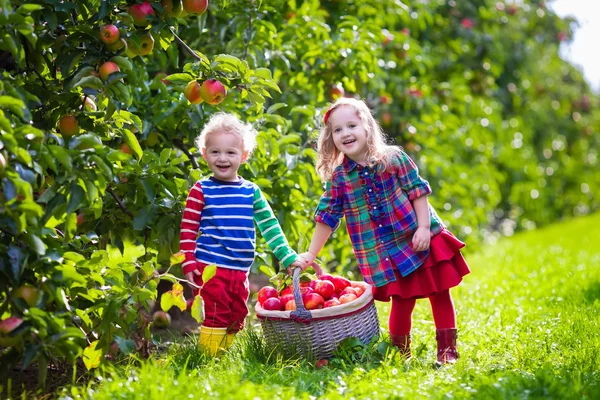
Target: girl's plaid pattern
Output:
[(379, 215)]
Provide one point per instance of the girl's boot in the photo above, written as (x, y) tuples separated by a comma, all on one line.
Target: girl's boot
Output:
[(213, 340), (446, 344), (402, 342)]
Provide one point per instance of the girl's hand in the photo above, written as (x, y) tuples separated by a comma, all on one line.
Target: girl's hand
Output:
[(421, 239)]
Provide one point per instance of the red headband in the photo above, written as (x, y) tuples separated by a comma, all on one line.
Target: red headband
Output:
[(326, 116)]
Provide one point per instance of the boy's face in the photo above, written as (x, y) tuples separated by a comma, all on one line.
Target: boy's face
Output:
[(224, 153)]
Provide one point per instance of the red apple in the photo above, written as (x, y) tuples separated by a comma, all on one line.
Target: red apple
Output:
[(273, 304), (348, 290), (347, 298), (321, 363), (195, 6), (139, 12), (108, 68), (290, 305), (467, 23), (287, 290), (313, 283), (213, 91), (285, 298), (305, 290), (161, 319), (266, 293), (387, 36), (336, 91), (327, 277), (331, 303), (68, 125), (125, 148), (28, 293), (313, 301), (109, 34), (360, 287), (89, 105), (386, 118), (80, 218), (192, 92), (340, 283), (10, 324), (324, 288)]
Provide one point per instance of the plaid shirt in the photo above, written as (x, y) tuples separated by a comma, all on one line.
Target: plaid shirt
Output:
[(379, 215)]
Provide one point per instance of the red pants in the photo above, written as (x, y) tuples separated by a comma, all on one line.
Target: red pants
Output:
[(224, 298), (442, 307)]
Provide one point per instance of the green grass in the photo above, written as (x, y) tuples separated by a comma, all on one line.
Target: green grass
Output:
[(528, 325)]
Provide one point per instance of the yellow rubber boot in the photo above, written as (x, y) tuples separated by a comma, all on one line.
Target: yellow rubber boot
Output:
[(229, 340), (213, 340)]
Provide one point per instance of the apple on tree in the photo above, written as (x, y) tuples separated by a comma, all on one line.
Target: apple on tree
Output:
[(192, 92), (139, 12), (109, 34), (28, 293), (68, 125), (172, 8), (195, 6), (212, 91), (107, 69), (336, 91), (143, 47)]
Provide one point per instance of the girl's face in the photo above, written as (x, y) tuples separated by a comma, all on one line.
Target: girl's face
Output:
[(348, 132), (224, 153)]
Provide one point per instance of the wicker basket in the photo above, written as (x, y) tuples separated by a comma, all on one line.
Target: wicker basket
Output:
[(316, 333)]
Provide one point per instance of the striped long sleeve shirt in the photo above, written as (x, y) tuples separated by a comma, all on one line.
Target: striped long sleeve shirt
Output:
[(218, 228)]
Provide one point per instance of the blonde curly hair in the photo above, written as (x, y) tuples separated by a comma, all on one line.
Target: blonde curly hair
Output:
[(230, 123), (378, 151)]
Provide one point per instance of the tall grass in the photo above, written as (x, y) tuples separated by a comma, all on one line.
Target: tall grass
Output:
[(528, 328)]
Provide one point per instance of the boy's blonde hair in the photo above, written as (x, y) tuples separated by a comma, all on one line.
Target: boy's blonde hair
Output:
[(378, 151), (224, 122)]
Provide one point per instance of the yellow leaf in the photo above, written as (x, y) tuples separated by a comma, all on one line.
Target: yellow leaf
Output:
[(177, 289), (209, 272), (91, 356), (197, 309), (177, 258)]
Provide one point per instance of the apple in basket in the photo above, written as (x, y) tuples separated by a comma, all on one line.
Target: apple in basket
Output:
[(313, 301), (331, 303), (286, 290), (327, 277), (285, 299), (266, 293), (347, 298), (360, 287), (272, 304), (348, 290), (340, 283), (290, 305), (325, 288)]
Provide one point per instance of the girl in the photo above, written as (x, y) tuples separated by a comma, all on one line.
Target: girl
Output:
[(401, 245)]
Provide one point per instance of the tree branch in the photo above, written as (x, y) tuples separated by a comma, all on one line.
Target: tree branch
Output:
[(119, 202), (184, 45), (179, 144)]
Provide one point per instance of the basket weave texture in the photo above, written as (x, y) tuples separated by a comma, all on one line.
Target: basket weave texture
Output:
[(316, 333)]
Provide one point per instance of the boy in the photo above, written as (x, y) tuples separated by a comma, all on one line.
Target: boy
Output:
[(222, 209)]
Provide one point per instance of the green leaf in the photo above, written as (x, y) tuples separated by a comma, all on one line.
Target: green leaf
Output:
[(208, 272), (196, 310), (29, 8), (91, 356), (123, 63), (132, 141), (179, 78), (76, 198), (90, 81), (14, 105), (267, 270), (264, 73), (275, 107), (35, 243), (62, 156)]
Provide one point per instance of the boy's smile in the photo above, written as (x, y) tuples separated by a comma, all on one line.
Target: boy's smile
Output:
[(224, 153)]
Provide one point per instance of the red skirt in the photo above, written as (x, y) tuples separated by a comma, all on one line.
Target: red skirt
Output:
[(442, 270)]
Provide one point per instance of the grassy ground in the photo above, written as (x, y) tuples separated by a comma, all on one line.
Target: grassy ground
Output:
[(528, 325)]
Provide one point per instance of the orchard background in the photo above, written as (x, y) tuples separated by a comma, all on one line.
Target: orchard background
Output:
[(96, 159)]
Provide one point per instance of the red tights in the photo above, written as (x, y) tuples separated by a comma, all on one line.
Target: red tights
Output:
[(442, 308)]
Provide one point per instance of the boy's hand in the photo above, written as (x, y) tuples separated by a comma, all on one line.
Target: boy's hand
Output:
[(308, 260), (190, 278), (421, 239)]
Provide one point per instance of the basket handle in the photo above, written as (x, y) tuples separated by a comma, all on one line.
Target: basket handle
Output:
[(300, 314)]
